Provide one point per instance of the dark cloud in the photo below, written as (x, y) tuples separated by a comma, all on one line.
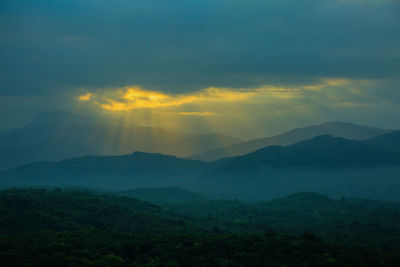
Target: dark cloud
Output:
[(187, 45)]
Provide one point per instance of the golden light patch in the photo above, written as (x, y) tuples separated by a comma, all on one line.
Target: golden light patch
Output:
[(315, 87), (85, 97), (350, 104), (279, 92), (327, 83), (337, 82), (194, 113), (212, 100), (136, 98), (223, 109)]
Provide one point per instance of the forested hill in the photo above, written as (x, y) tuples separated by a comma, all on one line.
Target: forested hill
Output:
[(161, 196), (31, 210), (104, 248), (78, 228), (344, 220)]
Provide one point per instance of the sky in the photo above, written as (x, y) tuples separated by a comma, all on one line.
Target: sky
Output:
[(245, 68)]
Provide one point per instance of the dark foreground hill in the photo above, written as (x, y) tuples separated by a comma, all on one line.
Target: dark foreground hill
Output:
[(101, 248), (344, 221), (33, 210), (78, 228), (165, 195)]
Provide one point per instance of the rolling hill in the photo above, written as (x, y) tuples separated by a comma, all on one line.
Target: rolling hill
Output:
[(389, 141), (320, 151), (106, 172), (59, 135), (34, 210), (77, 228), (324, 164), (335, 129)]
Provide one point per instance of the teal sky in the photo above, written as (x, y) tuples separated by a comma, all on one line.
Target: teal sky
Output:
[(271, 65)]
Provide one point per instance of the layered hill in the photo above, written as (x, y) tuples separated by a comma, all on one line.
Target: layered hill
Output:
[(106, 172), (335, 129), (389, 141), (58, 135), (323, 164), (320, 151)]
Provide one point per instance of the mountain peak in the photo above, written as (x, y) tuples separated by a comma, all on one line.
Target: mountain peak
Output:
[(323, 139), (333, 128), (144, 155), (349, 124)]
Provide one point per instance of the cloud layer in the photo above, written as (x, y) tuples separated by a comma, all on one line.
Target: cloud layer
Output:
[(179, 46), (248, 112), (270, 65)]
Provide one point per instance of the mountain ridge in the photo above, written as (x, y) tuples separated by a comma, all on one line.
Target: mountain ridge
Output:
[(320, 151), (61, 135), (325, 164), (334, 128)]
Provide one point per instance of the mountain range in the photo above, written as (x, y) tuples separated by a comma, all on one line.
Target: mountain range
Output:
[(60, 135), (335, 129), (320, 151), (323, 164)]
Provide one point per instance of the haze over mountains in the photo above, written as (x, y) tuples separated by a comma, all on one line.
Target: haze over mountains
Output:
[(324, 164), (335, 129), (389, 141), (320, 151), (60, 135)]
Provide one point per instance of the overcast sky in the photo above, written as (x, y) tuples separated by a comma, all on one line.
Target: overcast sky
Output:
[(270, 65)]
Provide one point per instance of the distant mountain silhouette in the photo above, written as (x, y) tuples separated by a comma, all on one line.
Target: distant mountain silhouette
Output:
[(323, 164), (106, 172), (389, 141), (320, 151), (335, 129), (59, 135)]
